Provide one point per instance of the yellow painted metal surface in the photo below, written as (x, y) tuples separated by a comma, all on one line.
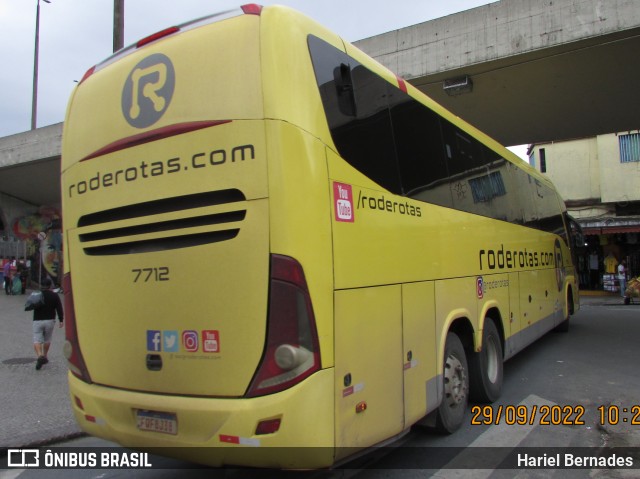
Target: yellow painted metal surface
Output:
[(387, 275)]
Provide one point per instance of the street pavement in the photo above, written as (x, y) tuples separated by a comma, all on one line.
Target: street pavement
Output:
[(35, 405)]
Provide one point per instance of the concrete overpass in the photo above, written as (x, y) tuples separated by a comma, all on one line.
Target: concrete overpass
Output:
[(537, 70), (541, 70)]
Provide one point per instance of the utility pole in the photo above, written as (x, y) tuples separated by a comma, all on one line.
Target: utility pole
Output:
[(34, 99), (118, 25)]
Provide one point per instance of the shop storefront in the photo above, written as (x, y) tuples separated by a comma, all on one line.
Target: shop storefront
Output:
[(607, 244)]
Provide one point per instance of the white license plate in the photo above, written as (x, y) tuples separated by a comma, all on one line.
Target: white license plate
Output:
[(156, 421)]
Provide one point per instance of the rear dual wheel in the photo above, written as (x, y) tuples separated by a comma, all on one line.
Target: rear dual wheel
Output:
[(480, 378), (485, 367), (452, 409)]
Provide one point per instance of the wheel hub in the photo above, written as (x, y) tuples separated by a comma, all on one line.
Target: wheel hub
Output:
[(455, 380)]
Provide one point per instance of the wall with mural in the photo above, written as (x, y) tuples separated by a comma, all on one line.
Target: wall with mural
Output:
[(41, 232)]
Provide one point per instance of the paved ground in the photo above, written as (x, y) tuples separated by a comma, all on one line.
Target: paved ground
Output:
[(35, 404)]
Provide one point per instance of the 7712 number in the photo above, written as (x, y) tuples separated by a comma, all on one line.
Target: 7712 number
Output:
[(145, 275)]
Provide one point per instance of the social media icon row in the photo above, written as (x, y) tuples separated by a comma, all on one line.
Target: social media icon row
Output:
[(189, 340)]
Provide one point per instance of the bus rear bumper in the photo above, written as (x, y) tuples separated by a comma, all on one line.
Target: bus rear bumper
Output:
[(218, 431)]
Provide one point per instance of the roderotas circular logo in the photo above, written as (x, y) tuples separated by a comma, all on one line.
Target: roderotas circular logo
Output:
[(561, 272), (148, 90)]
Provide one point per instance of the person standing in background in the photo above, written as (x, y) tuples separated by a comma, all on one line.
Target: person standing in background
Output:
[(622, 277), (44, 319)]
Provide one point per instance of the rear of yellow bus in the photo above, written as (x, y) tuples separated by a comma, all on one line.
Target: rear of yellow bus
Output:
[(198, 294)]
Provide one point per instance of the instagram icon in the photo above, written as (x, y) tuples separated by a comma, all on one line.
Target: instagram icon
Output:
[(190, 340)]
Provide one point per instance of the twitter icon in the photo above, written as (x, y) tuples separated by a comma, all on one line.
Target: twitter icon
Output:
[(170, 341)]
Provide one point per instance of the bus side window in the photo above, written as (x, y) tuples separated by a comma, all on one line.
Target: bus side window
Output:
[(365, 141), (405, 147), (418, 140)]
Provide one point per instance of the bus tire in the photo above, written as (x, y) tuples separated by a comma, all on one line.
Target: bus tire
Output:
[(486, 366), (452, 409)]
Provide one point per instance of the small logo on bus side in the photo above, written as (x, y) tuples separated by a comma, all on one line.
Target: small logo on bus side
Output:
[(170, 341), (153, 340), (480, 287), (211, 341), (343, 201), (190, 340), (148, 90), (561, 272)]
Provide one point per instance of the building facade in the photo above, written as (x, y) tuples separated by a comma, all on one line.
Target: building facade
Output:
[(599, 178)]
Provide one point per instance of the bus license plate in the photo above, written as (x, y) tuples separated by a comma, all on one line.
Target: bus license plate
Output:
[(156, 421)]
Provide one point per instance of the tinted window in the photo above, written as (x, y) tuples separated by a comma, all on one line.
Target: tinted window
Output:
[(548, 208), (416, 131), (356, 104), (408, 149), (366, 141)]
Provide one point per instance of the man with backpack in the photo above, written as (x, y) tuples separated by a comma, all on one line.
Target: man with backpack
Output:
[(44, 319)]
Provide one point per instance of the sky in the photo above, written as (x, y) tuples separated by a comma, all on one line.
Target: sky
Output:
[(77, 34)]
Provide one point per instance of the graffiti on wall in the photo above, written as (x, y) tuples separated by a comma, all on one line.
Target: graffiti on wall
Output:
[(44, 226)]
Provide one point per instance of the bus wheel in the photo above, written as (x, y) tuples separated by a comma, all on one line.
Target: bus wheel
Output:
[(453, 408), (486, 366)]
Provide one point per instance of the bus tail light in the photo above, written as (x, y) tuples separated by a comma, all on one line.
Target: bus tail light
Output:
[(292, 352), (251, 9), (71, 348)]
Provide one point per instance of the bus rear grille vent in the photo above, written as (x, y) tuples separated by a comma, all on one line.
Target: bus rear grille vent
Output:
[(165, 205), (172, 227)]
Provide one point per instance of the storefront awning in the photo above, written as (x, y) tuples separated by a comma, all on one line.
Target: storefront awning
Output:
[(610, 229)]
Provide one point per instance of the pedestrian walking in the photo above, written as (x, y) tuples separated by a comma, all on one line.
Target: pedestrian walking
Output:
[(44, 319)]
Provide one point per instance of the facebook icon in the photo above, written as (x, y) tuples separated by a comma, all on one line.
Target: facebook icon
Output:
[(153, 340)]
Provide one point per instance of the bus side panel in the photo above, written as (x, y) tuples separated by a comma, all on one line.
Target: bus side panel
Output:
[(368, 379), (571, 282), (419, 350), (541, 305), (291, 92), (369, 248), (299, 223), (455, 299), (510, 346), (530, 293)]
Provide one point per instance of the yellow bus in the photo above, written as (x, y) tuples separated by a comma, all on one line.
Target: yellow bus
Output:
[(272, 241)]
